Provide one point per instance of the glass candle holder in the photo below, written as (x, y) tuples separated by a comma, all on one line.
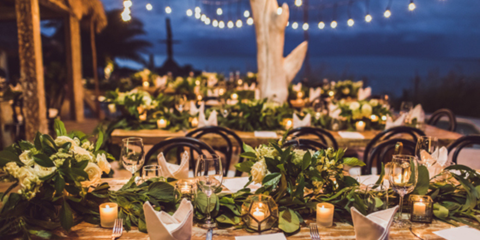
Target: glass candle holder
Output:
[(185, 188), (108, 214), (421, 208), (325, 214), (259, 212)]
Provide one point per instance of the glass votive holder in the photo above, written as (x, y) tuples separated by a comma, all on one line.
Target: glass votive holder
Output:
[(108, 213), (325, 214), (185, 188), (150, 172), (260, 212), (421, 207)]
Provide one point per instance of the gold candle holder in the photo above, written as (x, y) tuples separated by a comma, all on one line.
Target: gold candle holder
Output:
[(259, 212)]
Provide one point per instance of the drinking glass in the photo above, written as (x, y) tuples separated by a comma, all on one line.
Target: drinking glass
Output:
[(209, 175), (132, 154), (426, 145), (403, 179), (318, 107), (181, 103), (150, 171)]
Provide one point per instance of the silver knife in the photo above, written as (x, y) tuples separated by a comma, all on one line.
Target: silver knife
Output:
[(210, 234)]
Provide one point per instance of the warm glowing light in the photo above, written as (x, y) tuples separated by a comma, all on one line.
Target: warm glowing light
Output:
[(146, 84), (384, 118), (288, 23), (350, 22), (368, 18), (168, 10), (246, 13), (219, 11), (126, 16), (239, 23), (411, 6), (279, 10), (294, 25), (230, 24), (198, 10), (298, 3), (149, 7), (207, 21), (127, 3), (250, 21), (305, 26), (203, 17), (197, 15), (221, 24), (321, 25), (189, 12), (215, 23), (387, 13), (333, 24)]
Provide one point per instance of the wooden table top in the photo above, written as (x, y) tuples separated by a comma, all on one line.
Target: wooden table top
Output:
[(153, 136)]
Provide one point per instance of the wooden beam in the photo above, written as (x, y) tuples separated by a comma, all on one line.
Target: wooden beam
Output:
[(31, 67), (74, 65)]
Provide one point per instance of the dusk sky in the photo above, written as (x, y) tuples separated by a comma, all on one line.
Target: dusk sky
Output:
[(438, 34)]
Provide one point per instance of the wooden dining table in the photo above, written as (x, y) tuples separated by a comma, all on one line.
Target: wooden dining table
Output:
[(153, 136)]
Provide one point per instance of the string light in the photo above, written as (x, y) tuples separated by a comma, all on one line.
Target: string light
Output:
[(387, 13), (126, 12), (279, 10), (207, 21), (127, 4), (321, 25), (239, 23), (126, 17), (215, 23), (294, 25), (203, 17), (368, 18), (305, 26), (149, 7), (219, 11), (230, 24), (189, 12), (250, 21), (168, 10), (246, 13), (197, 15), (411, 6), (198, 10), (333, 24), (221, 24), (298, 3), (350, 22)]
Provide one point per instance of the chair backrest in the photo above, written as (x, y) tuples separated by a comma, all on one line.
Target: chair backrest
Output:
[(388, 134), (437, 115), (305, 144), (461, 143), (383, 149), (322, 135), (227, 136), (180, 143)]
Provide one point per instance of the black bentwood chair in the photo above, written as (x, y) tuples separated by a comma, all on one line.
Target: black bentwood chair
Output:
[(305, 144), (180, 143), (383, 152), (322, 134), (444, 112), (227, 135), (461, 143)]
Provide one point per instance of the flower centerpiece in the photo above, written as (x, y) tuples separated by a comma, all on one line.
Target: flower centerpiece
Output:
[(347, 89), (371, 112)]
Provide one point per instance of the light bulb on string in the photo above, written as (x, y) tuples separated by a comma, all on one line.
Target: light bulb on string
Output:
[(126, 11), (333, 24), (387, 13), (189, 12), (368, 18), (350, 22), (198, 10), (305, 26), (230, 24), (298, 3), (321, 25), (127, 3), (207, 21), (250, 21), (411, 6), (203, 17), (149, 7), (221, 24), (239, 23), (279, 10), (294, 25), (197, 15), (219, 11), (246, 13), (126, 16), (215, 23), (168, 9)]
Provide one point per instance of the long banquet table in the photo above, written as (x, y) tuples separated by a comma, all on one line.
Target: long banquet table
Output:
[(153, 136)]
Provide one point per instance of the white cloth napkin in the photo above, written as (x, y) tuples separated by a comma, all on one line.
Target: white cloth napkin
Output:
[(265, 134), (399, 122), (364, 93), (334, 111), (314, 93), (297, 87), (440, 156), (162, 226), (375, 226), (203, 122), (351, 135), (173, 170), (213, 93), (236, 184), (161, 81), (306, 122), (459, 233), (212, 80), (417, 113), (194, 110), (273, 236)]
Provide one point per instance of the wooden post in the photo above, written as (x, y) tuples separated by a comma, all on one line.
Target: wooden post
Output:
[(274, 71), (93, 45), (74, 65), (31, 67)]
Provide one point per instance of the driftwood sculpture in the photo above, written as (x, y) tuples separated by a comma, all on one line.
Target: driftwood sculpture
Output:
[(275, 72)]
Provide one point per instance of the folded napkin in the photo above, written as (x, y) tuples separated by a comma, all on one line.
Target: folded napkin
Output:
[(203, 122), (173, 170), (314, 93), (212, 93), (212, 80), (440, 156), (297, 87), (252, 87), (459, 233), (417, 113), (399, 122), (364, 93), (306, 122), (334, 111), (375, 226), (162, 226), (273, 236), (161, 81), (193, 108)]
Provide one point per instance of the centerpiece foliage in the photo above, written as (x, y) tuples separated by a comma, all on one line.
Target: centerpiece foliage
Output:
[(371, 112)]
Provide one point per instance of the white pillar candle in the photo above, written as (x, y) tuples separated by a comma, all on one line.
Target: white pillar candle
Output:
[(161, 123), (325, 214), (194, 122), (360, 126), (419, 208), (146, 84), (143, 117), (112, 107), (108, 214), (299, 95), (234, 96)]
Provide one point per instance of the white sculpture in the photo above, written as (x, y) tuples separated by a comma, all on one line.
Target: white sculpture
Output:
[(275, 72)]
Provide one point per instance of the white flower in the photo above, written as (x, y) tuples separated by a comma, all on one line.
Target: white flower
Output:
[(259, 170), (64, 139), (12, 168), (250, 74), (94, 175), (43, 171), (346, 91), (298, 156), (103, 164), (354, 106), (264, 151), (366, 110), (87, 145), (27, 158), (374, 102), (121, 98), (82, 154)]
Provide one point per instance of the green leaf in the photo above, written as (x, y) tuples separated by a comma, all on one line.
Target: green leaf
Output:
[(249, 155), (272, 179), (59, 185), (440, 211), (307, 159), (59, 127), (201, 202), (37, 141), (248, 148), (288, 221), (162, 191), (99, 142), (7, 156), (231, 220), (66, 217), (43, 160), (423, 181), (353, 162), (24, 145)]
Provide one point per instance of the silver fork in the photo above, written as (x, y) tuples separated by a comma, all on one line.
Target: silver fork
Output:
[(117, 228), (314, 231)]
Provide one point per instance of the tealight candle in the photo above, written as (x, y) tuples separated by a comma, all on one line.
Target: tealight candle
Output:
[(325, 214), (299, 95), (258, 214), (194, 122), (197, 82), (221, 91), (186, 188), (360, 126), (374, 118), (161, 123), (108, 214), (143, 117), (112, 107), (240, 82), (419, 208), (331, 93), (288, 123), (234, 96), (199, 97), (146, 84)]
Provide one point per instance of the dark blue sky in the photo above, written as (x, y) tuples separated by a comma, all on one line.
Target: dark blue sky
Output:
[(439, 34)]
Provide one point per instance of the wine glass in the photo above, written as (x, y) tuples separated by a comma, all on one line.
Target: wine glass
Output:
[(209, 175), (426, 145), (224, 111), (132, 154), (318, 107), (403, 179), (181, 103)]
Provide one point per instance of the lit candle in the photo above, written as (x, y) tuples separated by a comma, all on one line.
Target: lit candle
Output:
[(146, 84), (197, 82), (318, 115), (234, 96), (108, 214), (325, 214), (360, 126), (299, 95), (143, 117), (384, 118), (199, 97), (195, 122), (140, 109), (161, 123), (419, 208), (221, 91), (259, 214), (240, 82), (112, 107), (186, 189), (374, 118), (330, 93), (288, 124)]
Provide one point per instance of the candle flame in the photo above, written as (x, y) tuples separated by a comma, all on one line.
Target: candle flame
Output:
[(257, 210), (323, 207), (107, 206), (260, 205)]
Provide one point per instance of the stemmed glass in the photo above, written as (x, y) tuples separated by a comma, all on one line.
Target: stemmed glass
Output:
[(318, 107), (132, 154), (209, 176), (405, 108), (181, 103), (426, 145), (403, 179), (224, 111)]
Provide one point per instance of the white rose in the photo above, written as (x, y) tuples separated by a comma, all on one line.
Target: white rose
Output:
[(82, 154), (64, 139), (354, 106), (12, 168), (27, 177), (259, 170), (43, 171), (94, 175), (103, 164), (374, 102), (27, 158), (366, 110)]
